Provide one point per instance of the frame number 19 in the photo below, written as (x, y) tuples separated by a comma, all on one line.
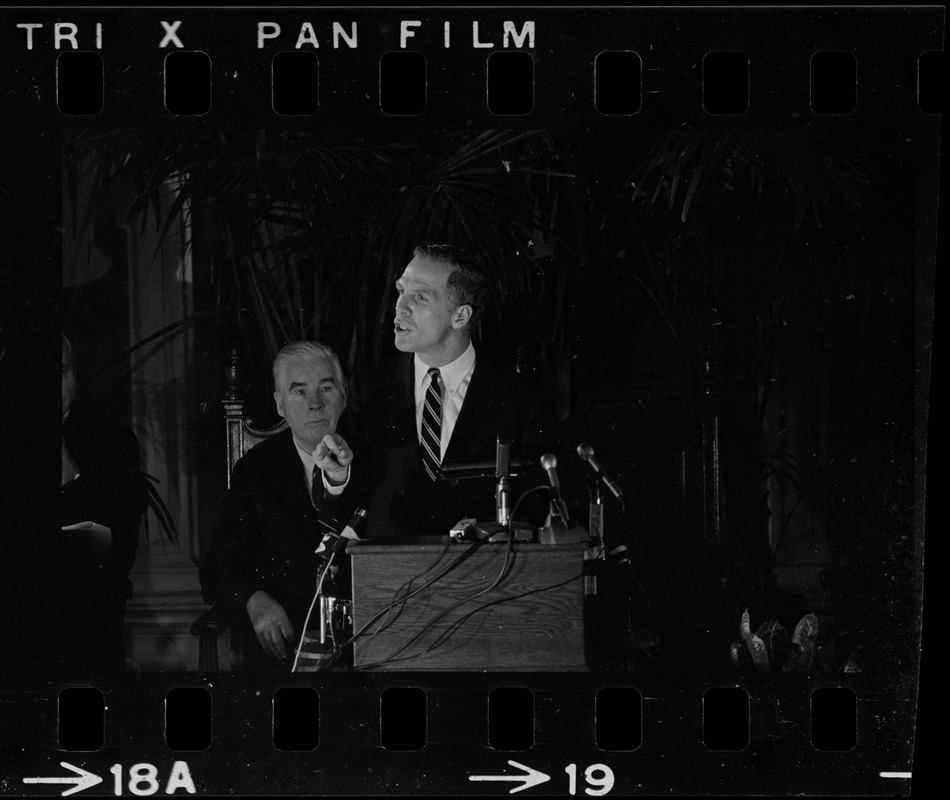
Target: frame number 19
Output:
[(599, 779)]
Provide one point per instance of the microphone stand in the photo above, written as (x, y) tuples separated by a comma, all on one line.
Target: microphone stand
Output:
[(555, 528), (499, 529), (595, 539), (502, 484)]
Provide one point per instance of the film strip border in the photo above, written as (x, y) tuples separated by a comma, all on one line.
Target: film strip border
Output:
[(509, 718), (731, 63), (618, 83), (373, 733)]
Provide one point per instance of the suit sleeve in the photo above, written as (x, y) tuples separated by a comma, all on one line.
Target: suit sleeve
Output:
[(336, 509), (352, 430), (110, 489), (226, 574)]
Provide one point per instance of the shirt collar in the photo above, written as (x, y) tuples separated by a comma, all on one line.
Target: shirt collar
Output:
[(452, 373), (305, 457)]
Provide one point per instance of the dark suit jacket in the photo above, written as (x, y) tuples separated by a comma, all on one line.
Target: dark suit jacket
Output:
[(110, 490), (380, 425), (267, 533)]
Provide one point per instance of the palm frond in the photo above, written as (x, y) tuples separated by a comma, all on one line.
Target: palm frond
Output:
[(157, 504), (798, 162)]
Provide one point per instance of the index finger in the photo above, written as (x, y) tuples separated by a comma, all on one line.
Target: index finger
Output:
[(334, 442), (265, 640), (278, 642)]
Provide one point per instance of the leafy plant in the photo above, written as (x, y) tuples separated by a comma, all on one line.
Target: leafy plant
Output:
[(769, 649), (729, 281), (304, 236), (747, 162), (156, 503)]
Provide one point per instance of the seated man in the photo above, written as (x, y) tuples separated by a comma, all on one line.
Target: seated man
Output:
[(435, 402), (262, 561)]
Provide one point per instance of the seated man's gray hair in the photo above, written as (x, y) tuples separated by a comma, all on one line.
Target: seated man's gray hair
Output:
[(307, 348)]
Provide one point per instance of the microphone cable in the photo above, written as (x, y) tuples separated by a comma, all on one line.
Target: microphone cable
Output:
[(313, 603), (503, 573), (399, 600), (469, 551), (506, 568), (461, 620), (339, 545)]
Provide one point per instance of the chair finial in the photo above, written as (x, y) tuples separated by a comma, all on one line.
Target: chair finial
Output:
[(233, 375)]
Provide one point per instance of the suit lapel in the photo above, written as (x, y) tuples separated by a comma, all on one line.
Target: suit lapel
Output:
[(479, 402), (287, 479), (400, 411), (397, 419), (403, 388)]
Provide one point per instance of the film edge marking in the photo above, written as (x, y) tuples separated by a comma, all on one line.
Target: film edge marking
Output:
[(530, 778), (82, 780)]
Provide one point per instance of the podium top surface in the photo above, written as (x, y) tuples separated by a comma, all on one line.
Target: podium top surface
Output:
[(434, 544)]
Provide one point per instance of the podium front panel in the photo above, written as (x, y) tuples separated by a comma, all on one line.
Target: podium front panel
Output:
[(431, 607)]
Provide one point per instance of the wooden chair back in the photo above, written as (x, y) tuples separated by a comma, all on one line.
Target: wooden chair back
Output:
[(242, 435)]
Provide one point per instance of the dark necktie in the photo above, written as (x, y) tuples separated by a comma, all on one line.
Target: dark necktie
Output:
[(316, 487), (432, 425)]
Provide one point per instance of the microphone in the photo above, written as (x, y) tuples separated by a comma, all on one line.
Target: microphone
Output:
[(502, 483), (549, 463), (349, 530), (340, 538), (586, 452), (466, 469), (621, 556)]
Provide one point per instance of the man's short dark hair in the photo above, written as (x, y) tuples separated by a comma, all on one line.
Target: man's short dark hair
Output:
[(466, 283)]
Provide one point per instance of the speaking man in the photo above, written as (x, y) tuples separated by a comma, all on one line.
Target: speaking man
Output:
[(438, 401)]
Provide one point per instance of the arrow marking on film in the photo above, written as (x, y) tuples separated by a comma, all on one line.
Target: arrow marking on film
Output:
[(82, 779), (532, 777)]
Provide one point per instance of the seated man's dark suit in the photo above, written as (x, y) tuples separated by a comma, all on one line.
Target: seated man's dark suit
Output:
[(111, 491), (268, 533), (380, 425)]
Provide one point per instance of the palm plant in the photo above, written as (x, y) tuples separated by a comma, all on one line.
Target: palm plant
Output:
[(304, 236), (805, 164), (467, 188), (727, 284)]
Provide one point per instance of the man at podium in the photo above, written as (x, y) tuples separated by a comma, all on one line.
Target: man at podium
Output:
[(438, 401)]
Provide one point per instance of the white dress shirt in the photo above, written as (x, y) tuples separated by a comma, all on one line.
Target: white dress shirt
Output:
[(456, 377)]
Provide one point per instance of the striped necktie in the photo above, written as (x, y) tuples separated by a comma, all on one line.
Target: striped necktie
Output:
[(432, 425)]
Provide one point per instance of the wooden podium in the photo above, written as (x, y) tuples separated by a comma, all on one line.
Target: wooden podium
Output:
[(533, 621)]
